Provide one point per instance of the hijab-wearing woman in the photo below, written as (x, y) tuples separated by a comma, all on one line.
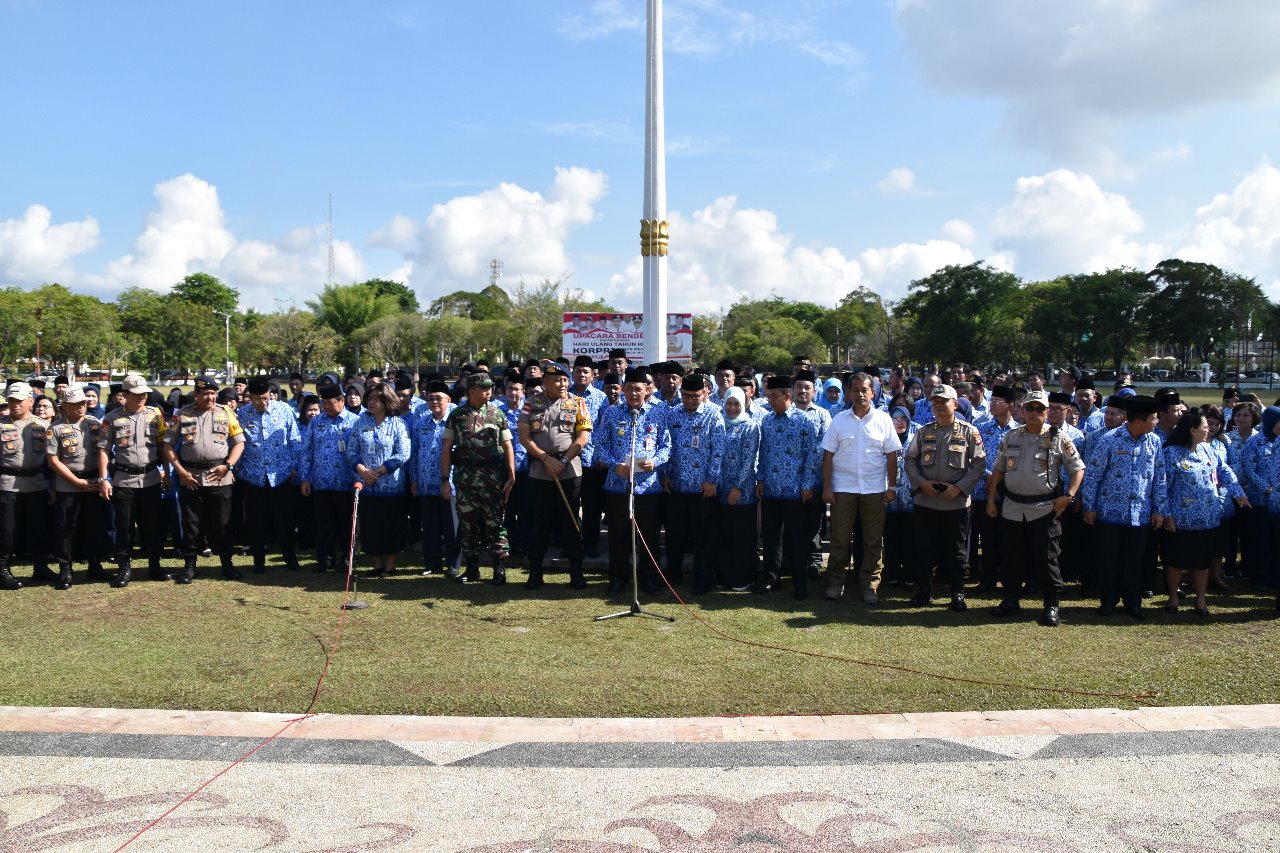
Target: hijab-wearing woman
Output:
[(737, 491), (377, 451), (832, 397), (1193, 472)]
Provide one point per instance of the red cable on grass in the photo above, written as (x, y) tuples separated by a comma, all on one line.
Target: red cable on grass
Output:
[(315, 696), (1135, 698)]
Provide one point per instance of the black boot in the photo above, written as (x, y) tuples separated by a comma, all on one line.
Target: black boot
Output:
[(7, 580), (229, 571), (64, 576), (122, 578), (321, 566), (156, 571), (40, 572), (535, 578), (96, 573), (472, 575), (499, 573), (576, 578), (259, 563), (188, 573), (291, 562)]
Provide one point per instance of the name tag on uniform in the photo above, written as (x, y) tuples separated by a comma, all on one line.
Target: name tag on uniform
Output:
[(342, 447), (694, 442)]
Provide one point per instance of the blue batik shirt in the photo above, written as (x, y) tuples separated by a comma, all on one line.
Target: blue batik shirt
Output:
[(521, 455), (738, 466), (820, 417), (790, 455), (614, 437), (272, 445), (1124, 480), (597, 401), (697, 448), (1192, 477), (1255, 469), (760, 410), (1228, 455), (426, 440), (923, 412), (1092, 422), (322, 460), (373, 445), (904, 500), (992, 437), (1273, 471)]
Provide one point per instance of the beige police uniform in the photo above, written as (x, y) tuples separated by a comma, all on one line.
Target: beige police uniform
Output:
[(1032, 464), (203, 440), (23, 504), (553, 425), (132, 442), (951, 454), (23, 446), (76, 446)]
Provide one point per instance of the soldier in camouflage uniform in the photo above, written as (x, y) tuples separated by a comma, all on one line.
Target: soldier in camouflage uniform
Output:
[(477, 445)]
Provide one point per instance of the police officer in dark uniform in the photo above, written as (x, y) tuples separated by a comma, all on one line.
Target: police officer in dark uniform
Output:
[(554, 427), (129, 450), (78, 512), (1029, 465), (203, 444), (23, 501), (944, 462)]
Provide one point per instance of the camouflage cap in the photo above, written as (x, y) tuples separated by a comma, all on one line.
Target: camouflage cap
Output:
[(479, 380)]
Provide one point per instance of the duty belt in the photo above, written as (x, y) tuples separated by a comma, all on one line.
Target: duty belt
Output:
[(201, 466), (21, 472), (85, 474), (1033, 499), (134, 469)]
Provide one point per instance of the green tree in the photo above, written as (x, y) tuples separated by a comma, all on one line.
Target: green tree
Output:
[(853, 330), (965, 313), (1199, 306), (17, 325), (771, 343), (203, 289), (292, 338), (405, 298), (492, 303), (350, 307), (396, 340), (1090, 318), (75, 328), (168, 331)]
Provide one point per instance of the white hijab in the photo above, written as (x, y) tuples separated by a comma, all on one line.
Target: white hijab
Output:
[(744, 414)]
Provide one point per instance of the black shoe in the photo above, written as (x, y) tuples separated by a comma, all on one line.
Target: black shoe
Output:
[(96, 573), (1202, 612), (259, 568), (766, 583), (534, 581), (615, 586), (958, 604), (320, 567), (43, 573), (230, 572), (921, 599), (157, 573), (64, 578), (291, 563), (1135, 612), (1006, 608), (1106, 609), (1049, 618), (1171, 608), (188, 572), (577, 580), (122, 578), (499, 576), (7, 580)]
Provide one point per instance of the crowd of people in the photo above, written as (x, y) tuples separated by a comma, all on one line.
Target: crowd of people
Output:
[(970, 481)]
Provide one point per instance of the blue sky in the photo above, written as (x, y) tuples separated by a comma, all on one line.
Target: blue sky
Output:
[(813, 146)]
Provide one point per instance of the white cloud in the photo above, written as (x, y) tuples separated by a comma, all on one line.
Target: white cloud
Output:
[(1240, 230), (723, 253), (605, 18), (1171, 153), (959, 231), (1063, 222), (899, 181), (528, 231), (34, 251), (185, 233), (1070, 72)]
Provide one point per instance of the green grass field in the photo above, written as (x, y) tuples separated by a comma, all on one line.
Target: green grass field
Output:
[(430, 646)]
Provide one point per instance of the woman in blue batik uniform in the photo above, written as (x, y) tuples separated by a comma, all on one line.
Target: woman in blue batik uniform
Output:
[(1193, 472), (739, 562)]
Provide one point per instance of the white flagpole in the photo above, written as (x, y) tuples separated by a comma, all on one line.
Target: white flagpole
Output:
[(653, 227)]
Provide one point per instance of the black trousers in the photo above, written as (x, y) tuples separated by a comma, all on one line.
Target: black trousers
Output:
[(25, 511), (648, 519), (899, 548), (738, 563), (549, 513), (592, 504), (691, 523), (440, 545), (942, 540), (984, 537), (517, 516), (206, 520), (270, 511), (787, 529), (141, 506), (1031, 550), (80, 527), (1120, 559), (1075, 557), (333, 525)]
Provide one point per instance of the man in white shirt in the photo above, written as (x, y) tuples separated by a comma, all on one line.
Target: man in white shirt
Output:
[(859, 472)]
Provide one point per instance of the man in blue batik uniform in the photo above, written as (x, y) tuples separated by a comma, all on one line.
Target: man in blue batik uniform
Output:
[(633, 435), (1125, 498), (268, 471), (690, 477), (326, 478), (790, 476), (440, 545)]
